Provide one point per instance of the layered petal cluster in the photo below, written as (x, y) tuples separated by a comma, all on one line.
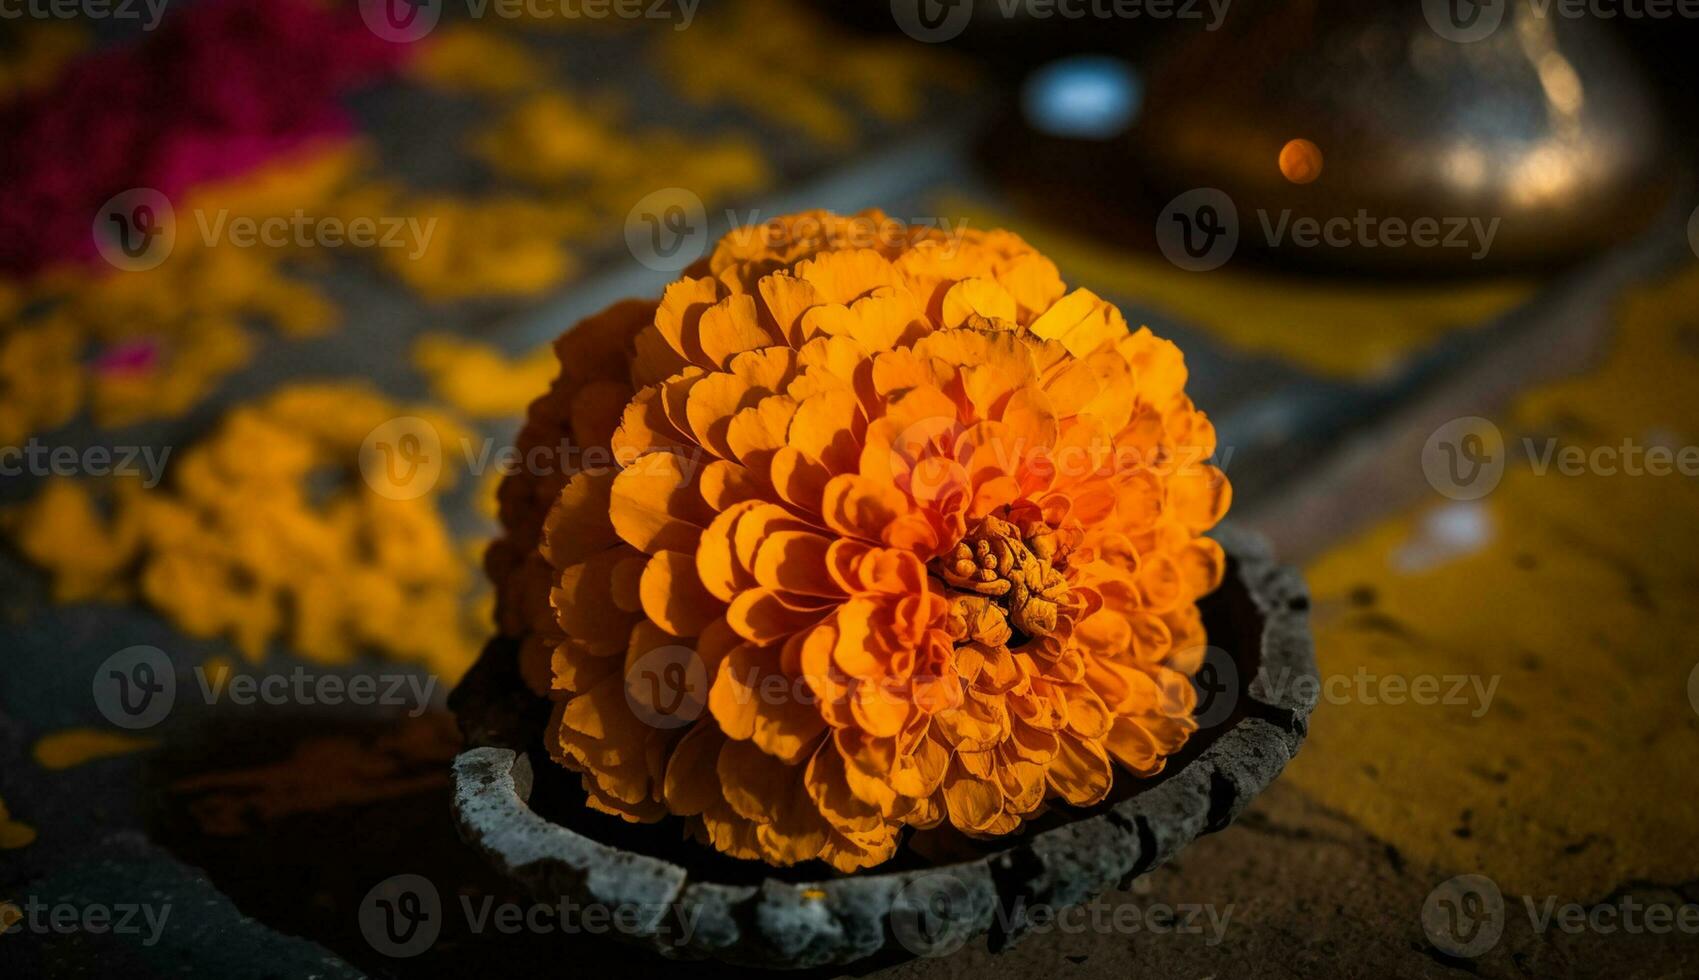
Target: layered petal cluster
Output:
[(866, 527)]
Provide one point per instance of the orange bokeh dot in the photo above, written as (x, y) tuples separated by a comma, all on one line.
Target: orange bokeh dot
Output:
[(1300, 161)]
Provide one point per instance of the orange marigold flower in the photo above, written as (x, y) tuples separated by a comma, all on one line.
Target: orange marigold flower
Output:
[(891, 530)]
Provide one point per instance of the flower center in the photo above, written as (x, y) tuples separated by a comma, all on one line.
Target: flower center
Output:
[(1002, 577)]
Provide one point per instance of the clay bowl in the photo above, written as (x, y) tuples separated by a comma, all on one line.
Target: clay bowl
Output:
[(524, 814)]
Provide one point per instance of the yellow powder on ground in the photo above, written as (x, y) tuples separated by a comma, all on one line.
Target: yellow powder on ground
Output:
[(1573, 779), (1346, 330), (75, 746)]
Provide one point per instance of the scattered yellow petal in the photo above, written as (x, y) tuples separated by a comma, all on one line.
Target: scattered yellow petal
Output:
[(277, 527), (13, 834), (479, 380), (75, 746), (814, 77), (475, 58)]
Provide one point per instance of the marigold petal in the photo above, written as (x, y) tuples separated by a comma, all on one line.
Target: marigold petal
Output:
[(973, 803), (674, 597), (795, 561), (680, 313), (985, 297), (577, 525), (1080, 772), (787, 298), (716, 561), (763, 616), (655, 504), (692, 783), (730, 327), (861, 508)]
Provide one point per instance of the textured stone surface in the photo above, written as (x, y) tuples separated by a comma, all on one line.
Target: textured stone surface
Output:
[(128, 908), (787, 924)]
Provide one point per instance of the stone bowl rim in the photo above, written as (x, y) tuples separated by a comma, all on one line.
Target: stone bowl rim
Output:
[(802, 921)]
